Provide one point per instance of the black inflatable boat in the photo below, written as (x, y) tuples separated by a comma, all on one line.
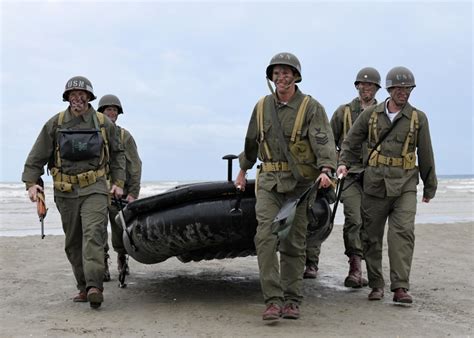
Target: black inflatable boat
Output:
[(200, 221)]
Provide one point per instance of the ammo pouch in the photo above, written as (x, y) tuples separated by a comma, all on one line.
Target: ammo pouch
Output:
[(79, 145), (62, 186), (87, 178), (304, 159), (409, 161)]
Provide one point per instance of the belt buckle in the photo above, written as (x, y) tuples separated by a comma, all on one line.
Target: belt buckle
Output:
[(390, 161)]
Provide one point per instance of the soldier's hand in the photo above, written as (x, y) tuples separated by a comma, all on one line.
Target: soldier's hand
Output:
[(241, 180), (33, 192), (342, 169), (324, 180), (426, 200), (130, 198), (116, 191)]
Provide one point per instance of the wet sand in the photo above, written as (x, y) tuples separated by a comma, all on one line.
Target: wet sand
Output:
[(223, 298)]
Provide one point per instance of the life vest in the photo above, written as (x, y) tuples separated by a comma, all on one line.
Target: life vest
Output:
[(407, 159)]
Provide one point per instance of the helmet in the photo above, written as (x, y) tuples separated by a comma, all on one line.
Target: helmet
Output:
[(399, 77), (78, 83), (319, 226), (285, 59), (368, 74), (109, 100)]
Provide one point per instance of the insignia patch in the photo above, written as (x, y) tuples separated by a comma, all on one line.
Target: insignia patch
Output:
[(321, 138)]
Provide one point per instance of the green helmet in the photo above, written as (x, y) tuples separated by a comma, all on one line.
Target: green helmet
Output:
[(399, 77), (78, 83), (319, 222), (285, 59), (368, 74), (109, 100)]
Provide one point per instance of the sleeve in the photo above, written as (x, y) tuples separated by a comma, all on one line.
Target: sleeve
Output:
[(337, 126), (358, 133), (248, 157), (41, 152), (133, 165), (117, 155), (321, 137), (426, 161)]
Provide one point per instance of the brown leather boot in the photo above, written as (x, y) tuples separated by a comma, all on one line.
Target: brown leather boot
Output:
[(355, 279), (81, 297), (401, 295), (272, 312), (376, 294), (311, 271), (95, 297), (291, 311)]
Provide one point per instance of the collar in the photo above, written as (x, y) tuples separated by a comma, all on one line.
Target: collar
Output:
[(406, 110), (295, 100), (86, 117)]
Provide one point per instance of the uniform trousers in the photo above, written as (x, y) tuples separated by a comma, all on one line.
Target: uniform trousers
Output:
[(83, 221), (281, 280), (400, 212)]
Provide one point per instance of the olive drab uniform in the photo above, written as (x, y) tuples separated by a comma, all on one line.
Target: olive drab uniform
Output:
[(80, 184), (390, 185), (133, 171), (351, 197), (276, 184)]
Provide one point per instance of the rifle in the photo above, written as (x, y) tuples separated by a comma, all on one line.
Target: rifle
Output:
[(41, 206)]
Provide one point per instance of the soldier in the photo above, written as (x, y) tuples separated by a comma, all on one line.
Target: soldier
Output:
[(284, 175), (111, 107), (367, 83), (396, 133), (81, 149)]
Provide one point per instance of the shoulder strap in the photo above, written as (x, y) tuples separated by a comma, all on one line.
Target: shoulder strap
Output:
[(101, 118), (296, 134), (379, 141), (412, 133), (347, 120), (58, 153), (284, 147)]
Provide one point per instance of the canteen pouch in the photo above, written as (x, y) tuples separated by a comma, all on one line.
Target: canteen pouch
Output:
[(62, 186), (79, 145), (304, 159), (87, 178), (409, 161)]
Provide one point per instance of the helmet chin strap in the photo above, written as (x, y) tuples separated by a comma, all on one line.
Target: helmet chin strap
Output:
[(273, 91)]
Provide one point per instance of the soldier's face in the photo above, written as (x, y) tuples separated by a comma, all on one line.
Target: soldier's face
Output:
[(78, 100), (112, 113), (283, 77), (367, 91), (400, 95)]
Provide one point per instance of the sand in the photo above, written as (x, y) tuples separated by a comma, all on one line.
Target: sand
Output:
[(223, 298)]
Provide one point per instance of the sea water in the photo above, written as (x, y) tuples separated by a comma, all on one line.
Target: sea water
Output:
[(454, 202)]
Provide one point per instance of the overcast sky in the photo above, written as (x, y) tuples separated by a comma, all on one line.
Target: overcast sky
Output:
[(189, 73)]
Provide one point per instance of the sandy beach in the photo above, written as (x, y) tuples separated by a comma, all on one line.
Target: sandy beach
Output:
[(222, 297)]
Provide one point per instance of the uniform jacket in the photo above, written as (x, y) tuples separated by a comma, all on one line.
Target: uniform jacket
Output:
[(133, 164), (382, 180), (44, 152), (316, 128), (337, 125)]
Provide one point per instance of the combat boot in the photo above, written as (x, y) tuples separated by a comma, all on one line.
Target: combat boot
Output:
[(354, 278), (122, 264), (401, 295), (95, 297), (106, 269), (311, 271)]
